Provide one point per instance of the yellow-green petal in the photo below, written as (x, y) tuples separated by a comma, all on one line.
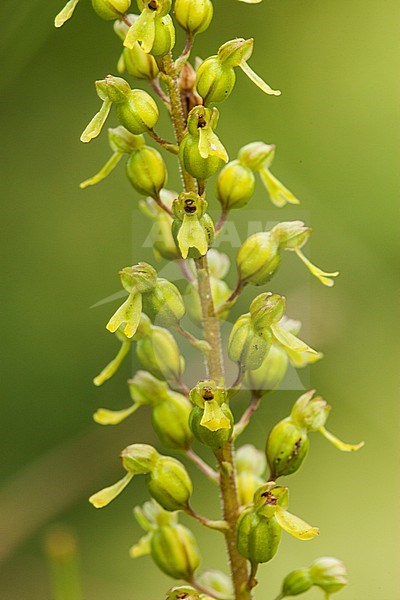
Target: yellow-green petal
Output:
[(295, 526), (323, 276), (66, 13), (108, 494), (142, 547), (343, 446), (288, 340), (104, 171), (129, 314), (278, 193), (113, 366), (260, 83), (103, 416), (143, 31), (192, 235), (213, 417), (210, 145), (96, 124)]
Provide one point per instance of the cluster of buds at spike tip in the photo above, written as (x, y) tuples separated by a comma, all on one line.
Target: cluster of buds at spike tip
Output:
[(288, 442), (161, 231), (250, 467), (172, 546), (106, 9), (160, 300), (136, 110), (153, 29), (211, 419), (218, 266), (255, 332), (327, 573), (216, 76), (167, 479), (192, 228), (260, 255), (170, 410), (135, 61), (145, 168), (201, 152), (260, 526), (236, 181)]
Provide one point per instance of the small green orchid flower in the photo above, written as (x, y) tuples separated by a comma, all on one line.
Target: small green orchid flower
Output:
[(153, 28), (192, 228), (216, 76)]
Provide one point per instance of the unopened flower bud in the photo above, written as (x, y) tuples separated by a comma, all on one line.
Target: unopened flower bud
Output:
[(146, 389), (235, 185), (164, 304), (220, 293), (153, 29), (134, 60), (111, 9), (270, 374), (297, 582), (216, 581), (329, 574), (287, 447), (255, 155), (250, 466), (147, 172), (257, 537), (291, 235), (170, 419), (248, 346), (267, 309), (159, 353), (169, 484), (175, 551), (216, 76), (194, 16), (201, 151), (310, 413), (138, 113), (258, 259), (192, 228)]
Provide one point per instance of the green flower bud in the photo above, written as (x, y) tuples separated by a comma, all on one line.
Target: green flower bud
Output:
[(287, 447), (138, 113), (266, 309), (248, 346), (174, 550), (147, 172), (216, 76), (257, 537), (201, 152), (170, 419), (218, 264), (145, 389), (134, 60), (250, 460), (256, 155), (194, 16), (183, 592), (170, 485), (139, 459), (192, 229), (235, 185), (329, 574), (141, 278), (247, 483), (297, 582), (216, 581), (160, 233), (258, 259), (310, 413), (159, 353), (164, 304), (271, 372), (212, 438), (220, 293), (124, 142), (291, 235), (111, 9), (153, 29)]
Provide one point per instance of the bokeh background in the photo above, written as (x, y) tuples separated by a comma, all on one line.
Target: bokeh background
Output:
[(336, 127)]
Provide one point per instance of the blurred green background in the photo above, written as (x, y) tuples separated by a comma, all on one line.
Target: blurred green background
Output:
[(336, 127)]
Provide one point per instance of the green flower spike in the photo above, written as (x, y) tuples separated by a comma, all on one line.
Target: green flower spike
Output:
[(138, 459), (136, 109), (136, 280), (216, 76), (258, 157), (153, 29), (311, 413), (192, 228), (201, 151)]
